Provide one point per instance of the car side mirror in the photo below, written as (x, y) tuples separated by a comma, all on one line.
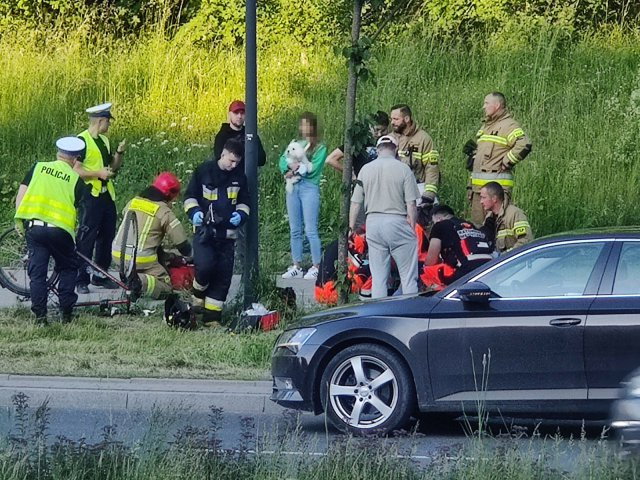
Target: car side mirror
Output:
[(474, 292)]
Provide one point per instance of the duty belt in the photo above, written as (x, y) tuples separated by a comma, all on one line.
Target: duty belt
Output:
[(480, 179), (39, 223)]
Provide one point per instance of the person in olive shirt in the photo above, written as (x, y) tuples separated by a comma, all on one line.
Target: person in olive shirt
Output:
[(99, 216), (46, 208)]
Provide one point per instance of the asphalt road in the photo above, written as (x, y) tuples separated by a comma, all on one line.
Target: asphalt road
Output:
[(135, 408)]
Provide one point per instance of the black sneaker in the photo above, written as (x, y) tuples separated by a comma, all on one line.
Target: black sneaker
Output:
[(66, 317), (82, 288), (104, 283)]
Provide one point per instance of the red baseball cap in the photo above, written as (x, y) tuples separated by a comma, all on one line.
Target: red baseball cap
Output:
[(236, 106)]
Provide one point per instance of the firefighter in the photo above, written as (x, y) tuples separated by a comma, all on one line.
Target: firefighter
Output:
[(46, 208), (456, 248), (156, 222), (415, 148), (500, 145), (217, 203), (504, 221), (99, 216)]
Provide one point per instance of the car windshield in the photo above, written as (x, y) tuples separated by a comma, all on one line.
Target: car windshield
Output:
[(561, 270)]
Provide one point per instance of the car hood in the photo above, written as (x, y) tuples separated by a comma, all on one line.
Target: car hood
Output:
[(400, 306)]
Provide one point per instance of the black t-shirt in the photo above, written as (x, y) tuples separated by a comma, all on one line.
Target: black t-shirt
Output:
[(361, 158), (452, 233), (78, 191)]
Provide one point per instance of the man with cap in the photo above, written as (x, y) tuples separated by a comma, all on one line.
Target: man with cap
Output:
[(234, 129), (98, 221), (157, 223), (387, 188), (46, 208)]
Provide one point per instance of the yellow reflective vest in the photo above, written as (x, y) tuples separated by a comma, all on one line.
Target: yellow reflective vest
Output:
[(50, 196), (93, 162)]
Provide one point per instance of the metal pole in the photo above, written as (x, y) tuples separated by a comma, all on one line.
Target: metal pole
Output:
[(250, 271)]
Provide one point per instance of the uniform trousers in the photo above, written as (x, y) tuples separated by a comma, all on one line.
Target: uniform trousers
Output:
[(97, 229), (213, 261), (391, 236), (44, 243)]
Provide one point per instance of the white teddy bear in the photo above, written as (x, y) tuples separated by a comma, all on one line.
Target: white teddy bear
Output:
[(297, 157)]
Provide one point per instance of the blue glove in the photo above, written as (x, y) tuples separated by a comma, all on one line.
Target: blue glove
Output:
[(197, 219), (235, 219)]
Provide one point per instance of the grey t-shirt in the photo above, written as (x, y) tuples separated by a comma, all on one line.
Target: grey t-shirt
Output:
[(385, 185)]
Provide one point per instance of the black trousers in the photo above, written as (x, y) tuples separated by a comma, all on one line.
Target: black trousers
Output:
[(97, 229), (43, 243), (213, 260)]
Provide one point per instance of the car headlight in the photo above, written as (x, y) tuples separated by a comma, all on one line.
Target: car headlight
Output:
[(294, 339)]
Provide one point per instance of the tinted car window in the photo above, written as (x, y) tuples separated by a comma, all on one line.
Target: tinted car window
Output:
[(628, 272), (560, 270)]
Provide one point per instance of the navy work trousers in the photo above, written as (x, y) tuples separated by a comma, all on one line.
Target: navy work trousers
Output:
[(44, 243), (97, 229)]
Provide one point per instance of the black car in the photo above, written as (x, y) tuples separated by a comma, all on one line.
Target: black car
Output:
[(548, 330)]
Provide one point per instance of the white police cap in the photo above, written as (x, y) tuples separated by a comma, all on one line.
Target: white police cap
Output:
[(72, 146), (103, 110)]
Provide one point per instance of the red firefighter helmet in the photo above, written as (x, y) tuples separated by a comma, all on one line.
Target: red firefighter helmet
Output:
[(168, 184)]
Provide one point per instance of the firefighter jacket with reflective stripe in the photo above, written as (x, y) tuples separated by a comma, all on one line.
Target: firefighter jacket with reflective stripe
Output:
[(51, 196), (512, 228), (501, 142), (415, 148), (93, 162), (217, 194), (156, 221)]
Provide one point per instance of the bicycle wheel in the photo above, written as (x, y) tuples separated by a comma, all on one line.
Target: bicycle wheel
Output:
[(14, 261), (128, 246)]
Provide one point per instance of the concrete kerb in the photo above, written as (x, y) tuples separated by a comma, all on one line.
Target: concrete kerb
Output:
[(139, 393)]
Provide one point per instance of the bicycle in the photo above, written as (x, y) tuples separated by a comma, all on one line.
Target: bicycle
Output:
[(14, 261)]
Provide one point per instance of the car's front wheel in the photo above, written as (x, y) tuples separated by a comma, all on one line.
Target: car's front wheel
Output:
[(367, 389)]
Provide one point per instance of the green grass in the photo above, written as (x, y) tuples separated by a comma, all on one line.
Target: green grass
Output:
[(129, 346), (580, 104)]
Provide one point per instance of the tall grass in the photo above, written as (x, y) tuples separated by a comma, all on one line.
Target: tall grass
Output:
[(579, 103)]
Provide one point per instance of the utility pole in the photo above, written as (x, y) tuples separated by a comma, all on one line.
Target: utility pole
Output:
[(250, 271)]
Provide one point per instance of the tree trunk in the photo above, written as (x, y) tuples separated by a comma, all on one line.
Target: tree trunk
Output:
[(350, 117)]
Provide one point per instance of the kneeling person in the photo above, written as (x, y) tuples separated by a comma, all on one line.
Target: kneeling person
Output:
[(156, 221), (456, 248), (46, 206), (217, 203)]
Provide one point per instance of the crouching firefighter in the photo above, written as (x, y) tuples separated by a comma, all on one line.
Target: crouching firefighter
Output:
[(156, 222), (217, 203), (456, 248)]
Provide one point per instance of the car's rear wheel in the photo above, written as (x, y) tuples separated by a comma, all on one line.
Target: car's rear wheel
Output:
[(367, 389)]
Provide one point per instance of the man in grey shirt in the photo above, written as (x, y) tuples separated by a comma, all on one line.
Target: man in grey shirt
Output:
[(388, 190)]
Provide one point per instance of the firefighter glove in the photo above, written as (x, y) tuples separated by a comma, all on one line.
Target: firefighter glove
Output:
[(235, 219), (197, 219)]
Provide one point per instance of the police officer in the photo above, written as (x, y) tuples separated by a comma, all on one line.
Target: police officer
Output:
[(46, 208), (217, 203), (157, 222), (500, 145), (504, 221), (98, 222), (456, 248)]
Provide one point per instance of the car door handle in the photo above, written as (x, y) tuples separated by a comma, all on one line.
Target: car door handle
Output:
[(564, 322)]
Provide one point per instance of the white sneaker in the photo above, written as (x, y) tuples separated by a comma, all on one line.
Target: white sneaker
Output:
[(311, 274), (292, 272)]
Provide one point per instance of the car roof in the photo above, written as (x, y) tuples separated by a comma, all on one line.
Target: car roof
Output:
[(605, 233)]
